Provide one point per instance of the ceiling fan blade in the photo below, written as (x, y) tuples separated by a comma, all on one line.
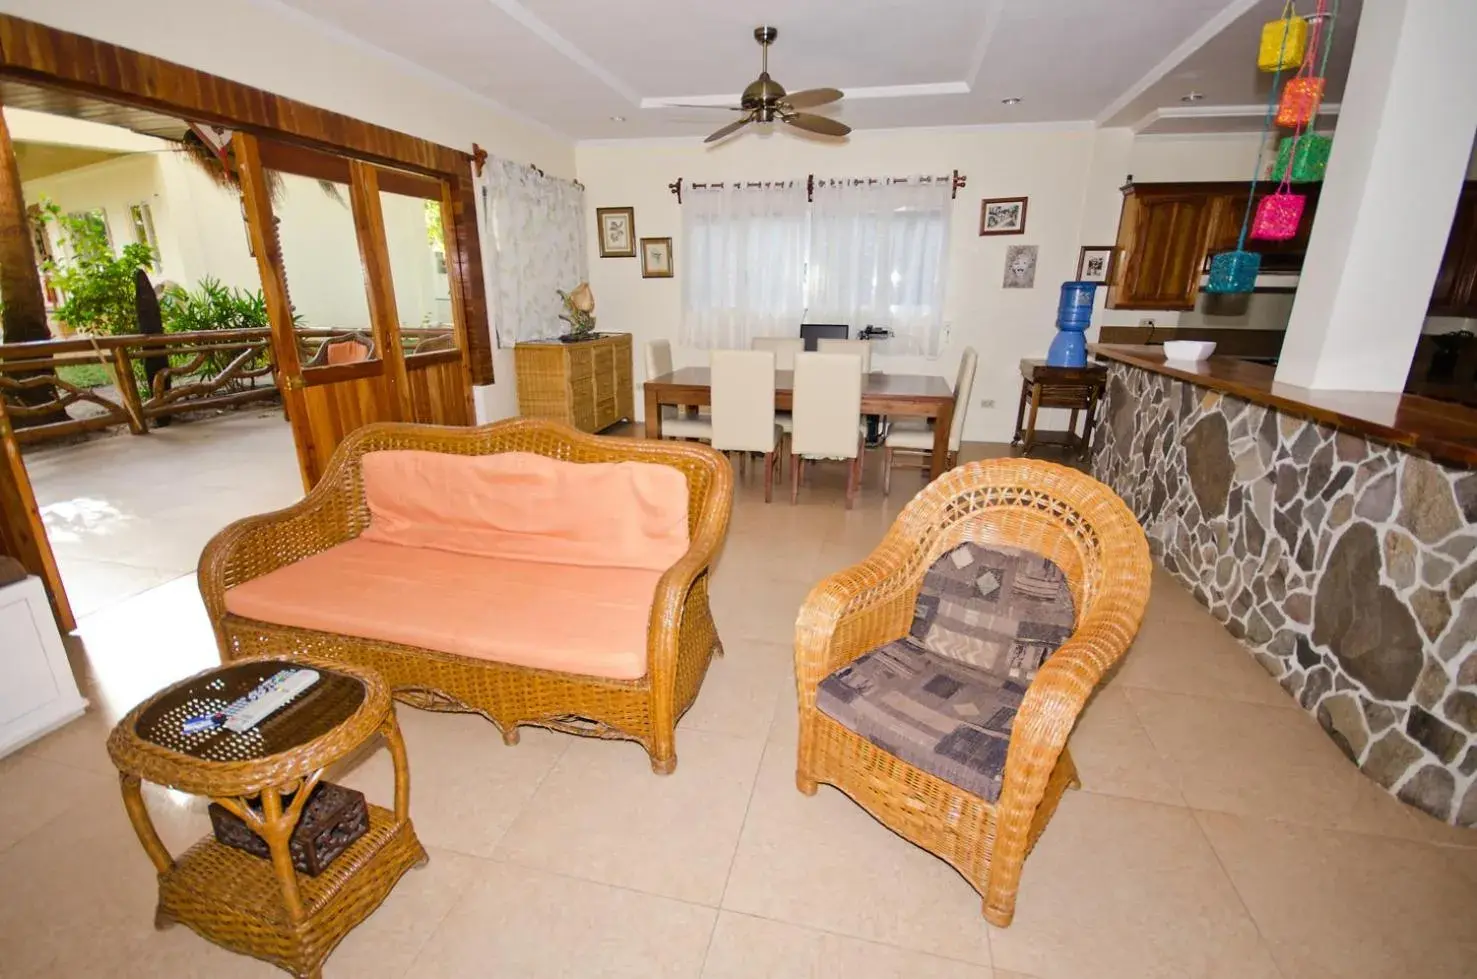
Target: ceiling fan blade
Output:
[(812, 97), (729, 129), (817, 124), (690, 105)]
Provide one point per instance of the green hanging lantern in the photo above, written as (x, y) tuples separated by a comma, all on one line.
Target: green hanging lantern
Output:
[(1308, 156)]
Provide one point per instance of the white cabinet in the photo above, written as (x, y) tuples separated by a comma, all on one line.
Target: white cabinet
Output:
[(37, 691)]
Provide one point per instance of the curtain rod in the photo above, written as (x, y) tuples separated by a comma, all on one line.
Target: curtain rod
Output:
[(957, 181)]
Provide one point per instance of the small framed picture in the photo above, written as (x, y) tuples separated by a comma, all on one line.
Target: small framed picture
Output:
[(617, 231), (1020, 267), (656, 258), (1095, 263), (1003, 216)]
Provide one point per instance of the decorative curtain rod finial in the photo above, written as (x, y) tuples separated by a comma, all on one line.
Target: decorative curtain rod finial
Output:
[(676, 188), (479, 159)]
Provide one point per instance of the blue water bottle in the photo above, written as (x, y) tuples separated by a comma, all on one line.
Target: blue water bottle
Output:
[(1073, 315)]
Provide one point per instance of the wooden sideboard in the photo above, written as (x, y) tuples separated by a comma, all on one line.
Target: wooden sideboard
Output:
[(585, 384)]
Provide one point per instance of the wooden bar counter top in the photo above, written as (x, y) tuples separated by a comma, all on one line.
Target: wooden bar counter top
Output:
[(1446, 432)]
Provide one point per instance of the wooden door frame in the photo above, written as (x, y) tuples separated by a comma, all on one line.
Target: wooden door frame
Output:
[(49, 58), (45, 56)]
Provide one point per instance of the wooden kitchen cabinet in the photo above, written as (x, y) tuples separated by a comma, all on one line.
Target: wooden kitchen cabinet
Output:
[(1455, 293), (1167, 231), (1162, 236)]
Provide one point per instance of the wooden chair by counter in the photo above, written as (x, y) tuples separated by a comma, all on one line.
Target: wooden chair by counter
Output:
[(827, 410), (861, 348), (675, 425), (916, 438), (783, 348), (743, 407), (1051, 510)]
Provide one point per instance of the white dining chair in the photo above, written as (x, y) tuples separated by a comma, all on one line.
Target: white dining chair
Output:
[(783, 348), (743, 407), (675, 425), (914, 437), (861, 348), (827, 411)]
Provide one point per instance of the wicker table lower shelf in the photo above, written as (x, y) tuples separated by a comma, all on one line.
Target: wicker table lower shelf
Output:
[(235, 899)]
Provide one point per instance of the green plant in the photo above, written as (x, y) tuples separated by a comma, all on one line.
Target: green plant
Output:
[(96, 283), (214, 306)]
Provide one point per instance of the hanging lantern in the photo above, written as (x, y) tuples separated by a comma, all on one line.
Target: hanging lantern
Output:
[(1284, 42), (1301, 97), (1308, 161), (1278, 216), (1233, 272)]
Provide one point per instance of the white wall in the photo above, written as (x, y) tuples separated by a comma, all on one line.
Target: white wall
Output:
[(267, 44), (1060, 171)]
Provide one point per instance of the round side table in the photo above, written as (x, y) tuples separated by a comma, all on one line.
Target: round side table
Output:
[(258, 907)]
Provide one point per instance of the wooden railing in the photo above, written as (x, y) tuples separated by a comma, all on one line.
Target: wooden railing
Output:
[(205, 369)]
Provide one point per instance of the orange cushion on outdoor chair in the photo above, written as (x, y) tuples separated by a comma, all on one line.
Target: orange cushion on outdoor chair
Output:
[(568, 618), (527, 507)]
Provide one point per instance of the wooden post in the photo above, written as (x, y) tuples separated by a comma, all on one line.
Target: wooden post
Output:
[(20, 281), (128, 391)]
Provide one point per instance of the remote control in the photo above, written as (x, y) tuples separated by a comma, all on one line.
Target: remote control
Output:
[(272, 695)]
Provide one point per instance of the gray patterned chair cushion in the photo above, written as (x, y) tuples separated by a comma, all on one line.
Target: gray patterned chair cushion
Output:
[(948, 719), (1001, 609), (944, 698)]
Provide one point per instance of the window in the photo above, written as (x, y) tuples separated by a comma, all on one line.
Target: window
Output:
[(88, 228), (759, 260), (143, 228)]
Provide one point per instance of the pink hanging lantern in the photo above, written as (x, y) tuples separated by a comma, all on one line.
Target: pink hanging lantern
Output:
[(1278, 216)]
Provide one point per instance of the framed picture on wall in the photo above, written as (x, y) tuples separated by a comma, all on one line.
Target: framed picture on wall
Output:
[(1020, 267), (617, 231), (1095, 263), (656, 258), (1003, 216)]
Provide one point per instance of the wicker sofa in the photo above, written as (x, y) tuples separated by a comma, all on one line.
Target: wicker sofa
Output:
[(640, 704), (1047, 509)]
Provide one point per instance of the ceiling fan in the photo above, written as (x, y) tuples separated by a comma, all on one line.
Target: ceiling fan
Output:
[(766, 100)]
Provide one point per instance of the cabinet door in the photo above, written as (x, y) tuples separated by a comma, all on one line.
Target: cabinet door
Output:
[(1455, 293), (1162, 241)]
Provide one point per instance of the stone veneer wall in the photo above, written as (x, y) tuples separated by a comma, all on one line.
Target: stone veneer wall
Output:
[(1346, 566)]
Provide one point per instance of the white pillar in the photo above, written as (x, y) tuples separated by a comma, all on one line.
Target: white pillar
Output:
[(1400, 153)]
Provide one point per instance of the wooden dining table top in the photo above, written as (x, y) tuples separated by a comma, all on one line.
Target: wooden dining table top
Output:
[(876, 385)]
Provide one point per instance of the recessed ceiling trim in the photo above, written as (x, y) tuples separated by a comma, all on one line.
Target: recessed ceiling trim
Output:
[(860, 135), (1216, 112), (420, 71), (564, 46), (866, 92), (1228, 15), (981, 49)]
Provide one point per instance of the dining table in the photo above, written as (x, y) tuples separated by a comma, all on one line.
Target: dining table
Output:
[(893, 395)]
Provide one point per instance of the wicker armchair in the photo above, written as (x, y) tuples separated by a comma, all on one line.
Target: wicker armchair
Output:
[(1061, 513), (681, 636)]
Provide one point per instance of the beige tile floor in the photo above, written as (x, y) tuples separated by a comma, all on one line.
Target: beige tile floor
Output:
[(1217, 834)]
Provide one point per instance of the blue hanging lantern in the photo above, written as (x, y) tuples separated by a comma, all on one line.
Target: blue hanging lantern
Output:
[(1233, 272)]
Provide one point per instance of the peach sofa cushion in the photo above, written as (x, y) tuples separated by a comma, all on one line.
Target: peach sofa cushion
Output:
[(527, 507), (569, 618)]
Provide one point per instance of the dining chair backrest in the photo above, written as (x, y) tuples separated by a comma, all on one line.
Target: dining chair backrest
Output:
[(784, 349), (743, 400), (658, 358), (860, 348), (827, 405), (962, 388)]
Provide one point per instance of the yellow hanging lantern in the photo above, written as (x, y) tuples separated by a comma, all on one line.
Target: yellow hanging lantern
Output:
[(1284, 42)]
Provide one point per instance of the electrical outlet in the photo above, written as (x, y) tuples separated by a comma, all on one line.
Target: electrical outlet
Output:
[(987, 402), (1147, 321)]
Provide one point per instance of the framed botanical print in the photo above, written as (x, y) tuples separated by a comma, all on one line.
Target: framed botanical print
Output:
[(656, 258), (617, 231), (1003, 216)]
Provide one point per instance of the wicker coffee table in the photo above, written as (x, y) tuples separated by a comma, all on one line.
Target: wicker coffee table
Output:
[(251, 905)]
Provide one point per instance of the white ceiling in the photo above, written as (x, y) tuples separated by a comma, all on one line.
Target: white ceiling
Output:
[(573, 64)]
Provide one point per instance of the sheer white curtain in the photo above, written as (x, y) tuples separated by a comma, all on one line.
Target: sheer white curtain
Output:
[(533, 241), (879, 256), (743, 267)]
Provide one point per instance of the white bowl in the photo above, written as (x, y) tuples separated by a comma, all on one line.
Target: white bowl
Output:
[(1188, 349)]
